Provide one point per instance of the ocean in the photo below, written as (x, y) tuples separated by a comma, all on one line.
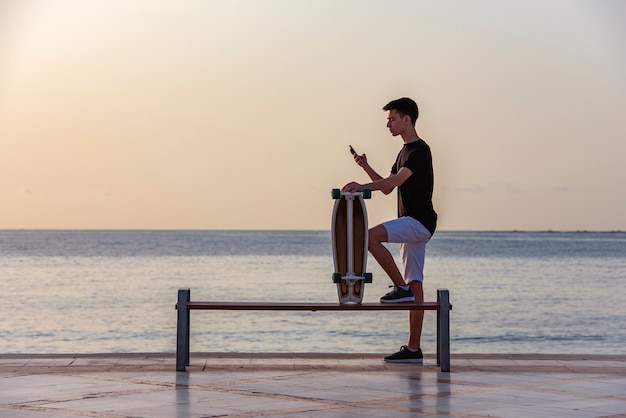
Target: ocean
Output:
[(115, 291)]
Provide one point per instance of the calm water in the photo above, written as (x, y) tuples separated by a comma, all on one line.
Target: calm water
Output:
[(114, 291)]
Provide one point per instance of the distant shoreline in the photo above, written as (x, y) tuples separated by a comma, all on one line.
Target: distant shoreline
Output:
[(507, 231)]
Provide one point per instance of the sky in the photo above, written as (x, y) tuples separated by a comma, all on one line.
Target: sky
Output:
[(238, 114)]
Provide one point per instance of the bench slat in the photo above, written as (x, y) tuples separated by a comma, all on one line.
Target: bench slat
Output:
[(307, 306)]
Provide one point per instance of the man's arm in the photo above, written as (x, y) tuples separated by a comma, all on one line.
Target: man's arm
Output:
[(385, 185), (361, 160), (372, 174)]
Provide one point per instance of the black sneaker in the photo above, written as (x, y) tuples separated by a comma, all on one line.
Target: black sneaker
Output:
[(406, 356), (398, 295)]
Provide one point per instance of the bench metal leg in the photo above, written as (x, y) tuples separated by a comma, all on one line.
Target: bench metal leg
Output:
[(438, 335), (443, 330), (182, 330)]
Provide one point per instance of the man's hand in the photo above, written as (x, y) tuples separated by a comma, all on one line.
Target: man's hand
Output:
[(361, 160), (352, 187)]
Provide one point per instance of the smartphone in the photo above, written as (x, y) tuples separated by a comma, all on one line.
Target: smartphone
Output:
[(352, 151)]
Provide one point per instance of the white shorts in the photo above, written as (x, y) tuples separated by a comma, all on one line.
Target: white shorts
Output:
[(413, 237)]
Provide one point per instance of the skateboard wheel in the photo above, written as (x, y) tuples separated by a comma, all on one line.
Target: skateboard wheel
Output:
[(336, 193), (368, 277), (367, 193), (336, 277)]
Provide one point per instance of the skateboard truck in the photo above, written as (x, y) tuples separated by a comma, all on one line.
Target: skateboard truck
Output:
[(367, 278)]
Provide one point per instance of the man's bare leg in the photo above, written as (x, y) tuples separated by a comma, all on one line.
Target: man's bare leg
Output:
[(416, 317), (378, 235)]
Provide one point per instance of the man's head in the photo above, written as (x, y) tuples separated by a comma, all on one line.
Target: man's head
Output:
[(404, 107)]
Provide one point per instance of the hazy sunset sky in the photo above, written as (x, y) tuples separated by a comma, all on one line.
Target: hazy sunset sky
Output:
[(238, 114)]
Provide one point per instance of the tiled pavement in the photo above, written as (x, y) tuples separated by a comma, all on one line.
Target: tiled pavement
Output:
[(310, 385)]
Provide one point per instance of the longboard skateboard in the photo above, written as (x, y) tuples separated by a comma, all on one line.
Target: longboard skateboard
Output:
[(350, 236)]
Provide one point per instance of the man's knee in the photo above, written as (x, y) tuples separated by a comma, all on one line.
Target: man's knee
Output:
[(377, 235)]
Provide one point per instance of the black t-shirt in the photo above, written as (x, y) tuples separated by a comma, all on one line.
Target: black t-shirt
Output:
[(416, 193)]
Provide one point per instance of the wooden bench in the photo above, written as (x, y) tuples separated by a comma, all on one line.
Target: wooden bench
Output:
[(185, 306)]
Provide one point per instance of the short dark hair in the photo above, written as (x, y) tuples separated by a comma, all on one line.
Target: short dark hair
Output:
[(405, 107)]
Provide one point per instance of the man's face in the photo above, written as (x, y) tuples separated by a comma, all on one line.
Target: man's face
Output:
[(396, 123)]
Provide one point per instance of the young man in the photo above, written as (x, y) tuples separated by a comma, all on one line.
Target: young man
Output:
[(412, 174)]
